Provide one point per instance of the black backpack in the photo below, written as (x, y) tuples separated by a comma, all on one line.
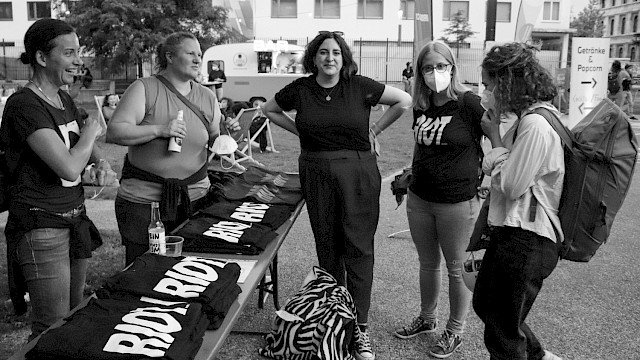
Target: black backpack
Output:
[(600, 154), (613, 85)]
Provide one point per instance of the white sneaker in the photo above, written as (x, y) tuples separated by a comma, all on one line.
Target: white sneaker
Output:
[(362, 348), (548, 355)]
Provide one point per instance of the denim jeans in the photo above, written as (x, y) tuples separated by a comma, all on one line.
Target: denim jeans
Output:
[(54, 281), (437, 227), (510, 278)]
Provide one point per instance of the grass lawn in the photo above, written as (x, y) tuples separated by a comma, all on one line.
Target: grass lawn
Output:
[(396, 144)]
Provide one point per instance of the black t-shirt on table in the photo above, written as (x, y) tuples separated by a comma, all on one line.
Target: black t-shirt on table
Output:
[(341, 123), (445, 162)]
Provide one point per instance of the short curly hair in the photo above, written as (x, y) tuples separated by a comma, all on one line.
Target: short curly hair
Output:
[(519, 77)]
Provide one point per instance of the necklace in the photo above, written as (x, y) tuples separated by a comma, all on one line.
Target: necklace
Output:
[(328, 98), (61, 106)]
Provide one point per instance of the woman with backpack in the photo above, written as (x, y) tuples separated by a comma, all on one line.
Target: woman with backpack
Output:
[(526, 166)]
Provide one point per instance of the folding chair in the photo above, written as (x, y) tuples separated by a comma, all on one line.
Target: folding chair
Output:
[(103, 124), (244, 138)]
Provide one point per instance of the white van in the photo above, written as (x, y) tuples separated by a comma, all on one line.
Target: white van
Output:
[(255, 68)]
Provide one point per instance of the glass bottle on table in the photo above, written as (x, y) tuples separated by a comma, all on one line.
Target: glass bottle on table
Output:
[(157, 242)]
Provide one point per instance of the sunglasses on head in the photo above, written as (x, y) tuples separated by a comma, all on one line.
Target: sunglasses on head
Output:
[(335, 33)]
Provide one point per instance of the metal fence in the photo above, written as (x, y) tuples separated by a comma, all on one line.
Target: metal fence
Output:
[(382, 60)]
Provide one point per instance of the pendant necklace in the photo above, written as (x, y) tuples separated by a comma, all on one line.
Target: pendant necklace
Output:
[(328, 97), (61, 106)]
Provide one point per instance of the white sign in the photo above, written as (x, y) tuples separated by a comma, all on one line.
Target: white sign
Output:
[(589, 69)]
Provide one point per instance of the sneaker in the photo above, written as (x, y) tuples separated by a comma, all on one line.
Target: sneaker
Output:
[(362, 346), (548, 355), (446, 345), (417, 326)]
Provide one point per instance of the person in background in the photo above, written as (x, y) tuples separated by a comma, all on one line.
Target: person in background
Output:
[(226, 104), (49, 235), (442, 202), (217, 78), (338, 165), (626, 101), (109, 106), (407, 77), (258, 121), (145, 120), (619, 74), (527, 175)]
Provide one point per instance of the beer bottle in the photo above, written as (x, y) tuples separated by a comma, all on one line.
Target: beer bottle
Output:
[(175, 143), (157, 244)]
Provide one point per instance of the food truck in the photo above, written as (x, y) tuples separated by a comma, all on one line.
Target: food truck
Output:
[(255, 68)]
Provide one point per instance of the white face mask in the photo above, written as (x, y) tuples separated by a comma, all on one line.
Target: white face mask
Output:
[(487, 100), (438, 81)]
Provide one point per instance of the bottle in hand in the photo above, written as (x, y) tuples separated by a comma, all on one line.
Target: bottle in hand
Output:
[(157, 243), (175, 143)]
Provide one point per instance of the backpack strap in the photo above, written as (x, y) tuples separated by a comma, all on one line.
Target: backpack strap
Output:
[(565, 135), (476, 139), (189, 104)]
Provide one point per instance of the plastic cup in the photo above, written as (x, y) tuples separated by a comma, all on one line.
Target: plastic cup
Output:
[(174, 245)]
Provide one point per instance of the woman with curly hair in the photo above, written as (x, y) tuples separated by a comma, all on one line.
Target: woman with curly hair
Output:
[(526, 166)]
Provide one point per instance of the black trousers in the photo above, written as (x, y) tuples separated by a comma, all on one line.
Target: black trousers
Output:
[(510, 278), (342, 192)]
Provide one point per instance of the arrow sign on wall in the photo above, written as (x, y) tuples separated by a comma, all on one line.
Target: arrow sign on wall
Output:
[(589, 82)]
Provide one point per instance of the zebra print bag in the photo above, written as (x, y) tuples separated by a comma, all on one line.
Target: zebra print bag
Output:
[(318, 322)]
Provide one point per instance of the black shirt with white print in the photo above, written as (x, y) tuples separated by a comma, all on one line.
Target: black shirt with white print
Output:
[(447, 151)]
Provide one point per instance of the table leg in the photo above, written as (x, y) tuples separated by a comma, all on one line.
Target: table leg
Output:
[(269, 286)]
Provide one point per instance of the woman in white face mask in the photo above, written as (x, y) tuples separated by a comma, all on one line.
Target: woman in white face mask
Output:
[(442, 202)]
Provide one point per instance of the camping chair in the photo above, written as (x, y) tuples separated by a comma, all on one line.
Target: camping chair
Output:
[(103, 123), (245, 138)]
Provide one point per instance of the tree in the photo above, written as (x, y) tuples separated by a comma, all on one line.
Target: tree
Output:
[(124, 32), (589, 22), (459, 28)]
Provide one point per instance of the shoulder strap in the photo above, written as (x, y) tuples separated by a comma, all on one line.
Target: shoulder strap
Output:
[(186, 101), (565, 134)]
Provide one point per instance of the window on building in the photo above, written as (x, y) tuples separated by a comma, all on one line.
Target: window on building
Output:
[(611, 28), (370, 9), (551, 11), (451, 8), (6, 11), (635, 24), (623, 23), (602, 4), (327, 9), (503, 12), (613, 2), (632, 54), (38, 10), (284, 9), (620, 52), (408, 8)]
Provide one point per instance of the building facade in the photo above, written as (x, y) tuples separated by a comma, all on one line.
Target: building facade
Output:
[(621, 26)]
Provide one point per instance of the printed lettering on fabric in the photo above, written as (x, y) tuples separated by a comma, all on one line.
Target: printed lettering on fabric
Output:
[(429, 131), (70, 134), (126, 327), (189, 278), (227, 230), (258, 175), (155, 323), (250, 212), (269, 215)]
